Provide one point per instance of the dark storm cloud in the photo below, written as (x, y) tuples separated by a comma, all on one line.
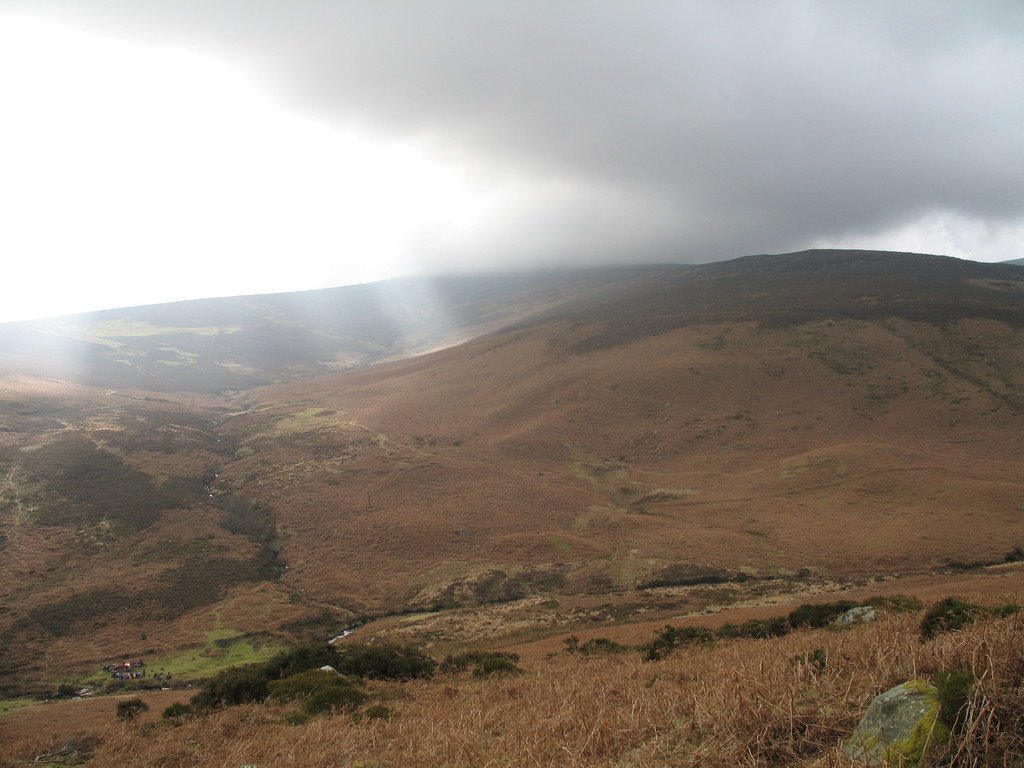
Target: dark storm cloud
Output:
[(685, 130)]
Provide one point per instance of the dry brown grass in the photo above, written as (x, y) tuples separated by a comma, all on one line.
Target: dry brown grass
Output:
[(845, 448), (740, 703)]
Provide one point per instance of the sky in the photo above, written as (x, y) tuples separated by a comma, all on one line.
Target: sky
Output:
[(158, 150)]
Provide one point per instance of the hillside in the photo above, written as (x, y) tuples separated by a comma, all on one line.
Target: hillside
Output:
[(227, 344), (664, 443), (766, 416)]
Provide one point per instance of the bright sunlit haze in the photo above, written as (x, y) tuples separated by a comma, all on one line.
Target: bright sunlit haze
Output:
[(137, 175), (141, 166)]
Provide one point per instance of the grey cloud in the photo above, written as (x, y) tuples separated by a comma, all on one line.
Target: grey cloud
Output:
[(724, 127)]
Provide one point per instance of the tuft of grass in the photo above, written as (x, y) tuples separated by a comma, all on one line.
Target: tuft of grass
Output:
[(130, 709), (954, 693), (378, 712)]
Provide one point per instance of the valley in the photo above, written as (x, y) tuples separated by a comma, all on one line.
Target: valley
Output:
[(593, 454)]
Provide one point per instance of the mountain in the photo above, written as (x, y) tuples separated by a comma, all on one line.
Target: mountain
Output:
[(612, 443), (229, 344), (1018, 262)]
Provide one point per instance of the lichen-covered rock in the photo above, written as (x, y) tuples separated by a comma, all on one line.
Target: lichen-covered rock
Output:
[(899, 726), (862, 614)]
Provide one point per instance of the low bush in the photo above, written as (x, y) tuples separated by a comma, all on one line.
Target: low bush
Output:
[(817, 615), (305, 684), (333, 698), (129, 709), (64, 691), (463, 661), (601, 645), (954, 692), (378, 712), (757, 628), (949, 615), (496, 665), (299, 659), (178, 711), (237, 685), (384, 662), (672, 637)]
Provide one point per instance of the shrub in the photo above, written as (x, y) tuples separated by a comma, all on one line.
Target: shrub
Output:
[(949, 615), (601, 645), (757, 628), (461, 662), (304, 684), (65, 691), (129, 709), (300, 659), (237, 685), (378, 712), (1005, 611), (332, 698), (816, 615), (384, 662), (178, 710), (954, 692), (672, 637), (496, 665)]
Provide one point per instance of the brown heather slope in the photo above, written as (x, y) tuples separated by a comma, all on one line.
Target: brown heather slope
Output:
[(650, 443), (772, 426), (110, 542)]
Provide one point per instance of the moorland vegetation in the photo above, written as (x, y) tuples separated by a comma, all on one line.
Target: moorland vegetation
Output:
[(789, 700)]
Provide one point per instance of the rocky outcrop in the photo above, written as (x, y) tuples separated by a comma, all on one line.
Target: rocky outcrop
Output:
[(899, 726), (860, 615)]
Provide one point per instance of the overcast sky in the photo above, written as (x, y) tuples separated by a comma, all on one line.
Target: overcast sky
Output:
[(153, 150)]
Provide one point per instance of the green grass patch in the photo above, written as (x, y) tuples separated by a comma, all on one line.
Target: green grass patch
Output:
[(224, 648), (13, 705), (107, 331), (302, 421)]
